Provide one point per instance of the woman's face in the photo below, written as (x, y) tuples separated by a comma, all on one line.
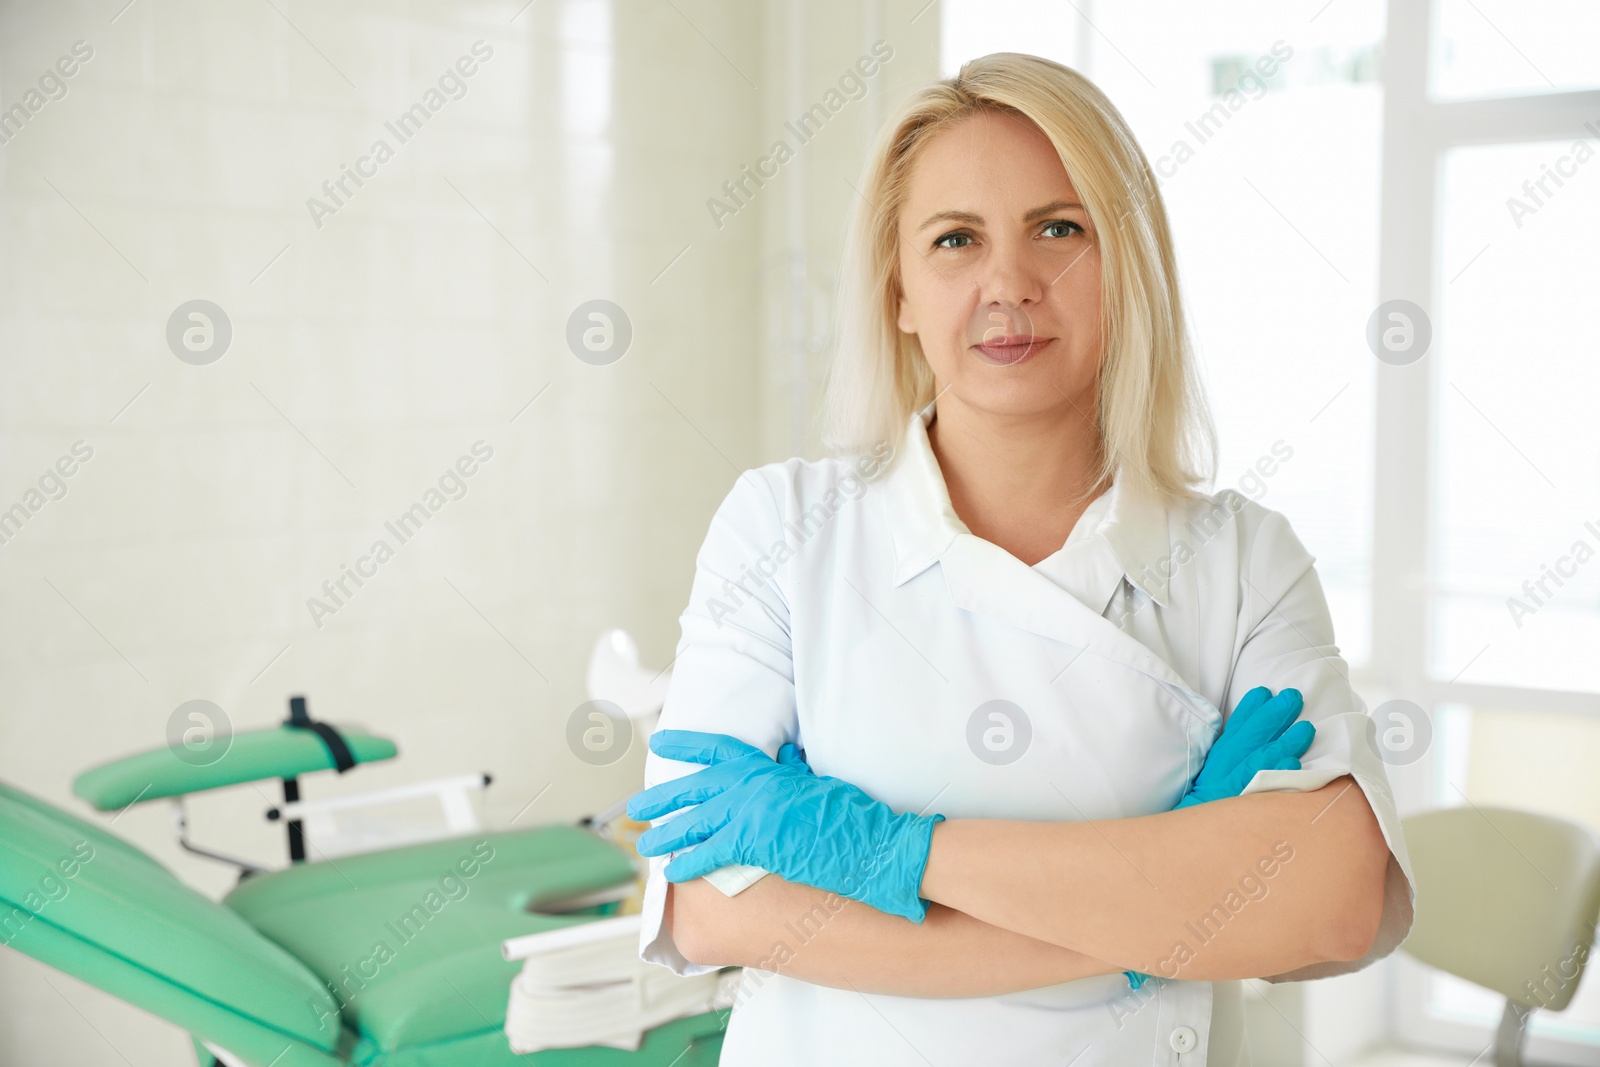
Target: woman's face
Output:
[(999, 270)]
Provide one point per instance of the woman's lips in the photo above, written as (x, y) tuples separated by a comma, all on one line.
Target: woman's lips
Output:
[(1008, 351)]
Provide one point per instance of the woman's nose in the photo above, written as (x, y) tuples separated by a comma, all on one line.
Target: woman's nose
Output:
[(1010, 277)]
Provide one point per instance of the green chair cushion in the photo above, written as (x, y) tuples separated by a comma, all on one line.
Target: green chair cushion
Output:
[(266, 975), (409, 938), (281, 752), (82, 828), (93, 906)]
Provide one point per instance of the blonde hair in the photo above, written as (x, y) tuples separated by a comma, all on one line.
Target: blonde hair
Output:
[(1155, 428)]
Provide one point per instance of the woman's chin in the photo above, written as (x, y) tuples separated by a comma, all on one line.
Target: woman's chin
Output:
[(1022, 395)]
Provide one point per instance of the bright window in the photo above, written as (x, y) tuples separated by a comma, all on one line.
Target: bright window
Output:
[(1487, 48), (1517, 547)]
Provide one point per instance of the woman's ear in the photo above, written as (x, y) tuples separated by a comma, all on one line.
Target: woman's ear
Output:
[(904, 318)]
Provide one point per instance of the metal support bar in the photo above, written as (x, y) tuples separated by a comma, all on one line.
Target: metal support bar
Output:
[(180, 825), (297, 836), (1508, 1040)]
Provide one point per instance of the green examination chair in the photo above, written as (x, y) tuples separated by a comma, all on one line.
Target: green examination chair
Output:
[(1507, 899), (389, 958)]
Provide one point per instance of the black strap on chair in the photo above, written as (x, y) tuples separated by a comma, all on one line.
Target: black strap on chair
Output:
[(337, 748)]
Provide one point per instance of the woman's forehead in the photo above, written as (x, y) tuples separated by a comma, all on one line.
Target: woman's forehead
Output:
[(987, 163)]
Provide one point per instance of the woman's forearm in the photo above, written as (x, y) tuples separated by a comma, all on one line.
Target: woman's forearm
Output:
[(822, 938), (1243, 887)]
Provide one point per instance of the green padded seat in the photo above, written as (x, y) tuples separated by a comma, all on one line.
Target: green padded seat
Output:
[(386, 959), (81, 900), (281, 752), (409, 938)]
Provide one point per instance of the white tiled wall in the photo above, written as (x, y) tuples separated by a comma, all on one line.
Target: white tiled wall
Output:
[(370, 352)]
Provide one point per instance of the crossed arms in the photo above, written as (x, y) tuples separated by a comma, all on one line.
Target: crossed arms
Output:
[(1021, 905)]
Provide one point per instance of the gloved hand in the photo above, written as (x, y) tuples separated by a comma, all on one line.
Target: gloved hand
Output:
[(816, 830), (1256, 737)]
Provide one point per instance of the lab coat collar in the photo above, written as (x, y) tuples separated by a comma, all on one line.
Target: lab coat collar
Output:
[(925, 526)]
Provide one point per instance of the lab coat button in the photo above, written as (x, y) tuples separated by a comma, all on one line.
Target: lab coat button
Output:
[(1182, 1039)]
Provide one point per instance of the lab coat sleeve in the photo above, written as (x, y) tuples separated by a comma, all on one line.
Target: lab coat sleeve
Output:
[(733, 673), (1286, 636)]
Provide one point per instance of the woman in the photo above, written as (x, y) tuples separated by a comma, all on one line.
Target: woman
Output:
[(1002, 624)]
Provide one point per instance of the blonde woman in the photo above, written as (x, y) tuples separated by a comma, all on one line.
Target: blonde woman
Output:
[(978, 748)]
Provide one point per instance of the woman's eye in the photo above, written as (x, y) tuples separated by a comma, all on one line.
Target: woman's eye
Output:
[(962, 237), (1068, 228)]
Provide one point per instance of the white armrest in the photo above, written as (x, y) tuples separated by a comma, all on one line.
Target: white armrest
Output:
[(586, 985), (335, 826), (521, 948), (459, 784)]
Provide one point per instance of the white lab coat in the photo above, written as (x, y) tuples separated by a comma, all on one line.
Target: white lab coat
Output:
[(866, 623)]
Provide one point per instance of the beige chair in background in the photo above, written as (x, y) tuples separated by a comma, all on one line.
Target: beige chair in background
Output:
[(1507, 899)]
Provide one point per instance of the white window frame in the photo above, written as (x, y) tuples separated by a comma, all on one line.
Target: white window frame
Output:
[(1417, 132)]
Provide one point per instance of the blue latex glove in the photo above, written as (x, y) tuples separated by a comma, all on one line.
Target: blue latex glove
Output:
[(816, 830), (1256, 737)]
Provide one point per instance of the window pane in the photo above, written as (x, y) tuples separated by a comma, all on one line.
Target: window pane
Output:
[(972, 28), (1514, 47), (1517, 497), (1273, 194)]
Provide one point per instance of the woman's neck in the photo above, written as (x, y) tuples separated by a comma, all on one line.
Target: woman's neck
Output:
[(1019, 481)]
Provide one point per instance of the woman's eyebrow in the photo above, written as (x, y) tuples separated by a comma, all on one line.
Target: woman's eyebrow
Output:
[(1051, 208), (977, 220)]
